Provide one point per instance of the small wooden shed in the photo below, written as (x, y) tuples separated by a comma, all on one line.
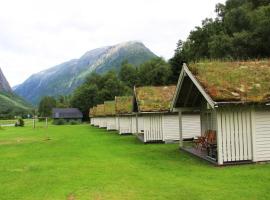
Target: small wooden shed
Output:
[(109, 108), (155, 120), (234, 103), (101, 118), (123, 108), (152, 105)]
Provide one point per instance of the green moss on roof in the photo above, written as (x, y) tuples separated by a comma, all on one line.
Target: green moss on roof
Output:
[(154, 99), (109, 107), (123, 105), (100, 110), (92, 111), (91, 114), (235, 81)]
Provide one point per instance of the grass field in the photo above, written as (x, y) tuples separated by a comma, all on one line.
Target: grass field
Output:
[(82, 162)]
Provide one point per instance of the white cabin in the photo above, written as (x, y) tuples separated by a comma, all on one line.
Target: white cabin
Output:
[(155, 121), (239, 130)]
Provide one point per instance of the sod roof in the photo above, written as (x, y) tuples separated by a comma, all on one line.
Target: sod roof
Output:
[(154, 99), (100, 110), (91, 112), (123, 105), (109, 107), (247, 82)]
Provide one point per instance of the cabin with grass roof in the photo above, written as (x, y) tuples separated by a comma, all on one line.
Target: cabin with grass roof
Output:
[(152, 105), (234, 103), (101, 117), (109, 109), (124, 115)]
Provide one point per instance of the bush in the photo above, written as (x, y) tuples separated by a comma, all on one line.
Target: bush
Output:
[(74, 122), (59, 122), (20, 123)]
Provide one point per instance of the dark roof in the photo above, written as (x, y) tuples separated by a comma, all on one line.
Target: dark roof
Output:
[(247, 82), (154, 98), (66, 113)]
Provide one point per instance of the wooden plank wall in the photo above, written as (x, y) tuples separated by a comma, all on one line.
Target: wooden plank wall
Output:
[(125, 124), (153, 127), (191, 126), (140, 124), (171, 128), (133, 124), (262, 136), (235, 132), (111, 123)]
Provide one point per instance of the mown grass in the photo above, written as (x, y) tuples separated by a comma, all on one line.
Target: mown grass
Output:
[(82, 162)]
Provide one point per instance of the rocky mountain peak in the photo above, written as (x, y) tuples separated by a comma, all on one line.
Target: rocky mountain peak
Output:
[(4, 85)]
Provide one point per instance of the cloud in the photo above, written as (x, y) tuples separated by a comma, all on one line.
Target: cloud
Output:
[(35, 34)]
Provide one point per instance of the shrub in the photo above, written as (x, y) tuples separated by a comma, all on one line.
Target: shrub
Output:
[(59, 122), (20, 123), (74, 122)]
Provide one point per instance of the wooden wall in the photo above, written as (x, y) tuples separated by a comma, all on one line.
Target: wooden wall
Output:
[(191, 126), (234, 135), (111, 123), (125, 124), (170, 123), (262, 136), (153, 130)]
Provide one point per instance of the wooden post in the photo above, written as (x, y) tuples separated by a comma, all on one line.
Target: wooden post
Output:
[(46, 122), (34, 122), (180, 129)]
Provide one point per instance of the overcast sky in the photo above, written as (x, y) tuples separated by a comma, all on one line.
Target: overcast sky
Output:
[(35, 34)]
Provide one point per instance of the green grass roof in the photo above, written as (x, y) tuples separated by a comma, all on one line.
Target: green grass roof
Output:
[(154, 99), (100, 110), (91, 112), (123, 105), (235, 81), (109, 107)]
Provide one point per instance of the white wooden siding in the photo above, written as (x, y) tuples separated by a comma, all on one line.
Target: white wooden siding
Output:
[(140, 124), (234, 128), (96, 122), (170, 127), (125, 124), (262, 135), (117, 123), (153, 128), (111, 123), (102, 123), (134, 125), (191, 127)]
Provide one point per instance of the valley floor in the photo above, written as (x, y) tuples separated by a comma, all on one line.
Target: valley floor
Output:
[(83, 162)]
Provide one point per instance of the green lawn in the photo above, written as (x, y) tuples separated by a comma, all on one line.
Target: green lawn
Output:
[(82, 162)]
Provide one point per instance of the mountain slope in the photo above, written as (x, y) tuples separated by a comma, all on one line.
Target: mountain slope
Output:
[(10, 103), (64, 78)]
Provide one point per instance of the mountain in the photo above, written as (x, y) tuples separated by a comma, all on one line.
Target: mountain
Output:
[(10, 103), (4, 85), (64, 78)]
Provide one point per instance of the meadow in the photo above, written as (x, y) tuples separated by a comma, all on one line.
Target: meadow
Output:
[(84, 162)]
